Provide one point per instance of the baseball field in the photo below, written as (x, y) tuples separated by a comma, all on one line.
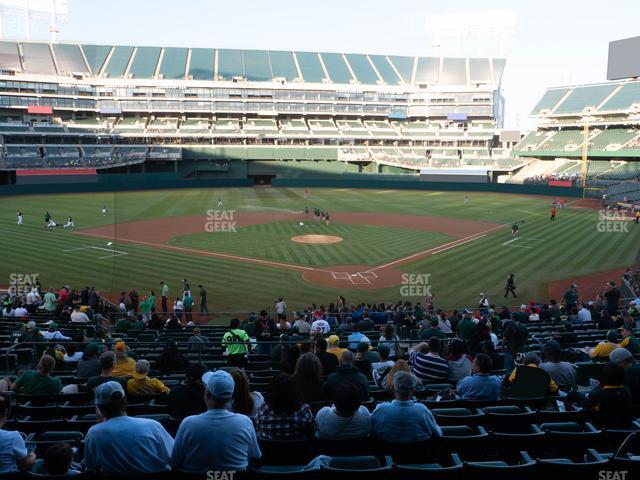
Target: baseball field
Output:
[(378, 245)]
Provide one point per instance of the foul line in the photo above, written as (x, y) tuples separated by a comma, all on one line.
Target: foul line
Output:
[(114, 253), (207, 253), (439, 248)]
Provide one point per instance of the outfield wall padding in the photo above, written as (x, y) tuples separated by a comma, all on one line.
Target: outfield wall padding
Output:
[(407, 184), (117, 182), (152, 181)]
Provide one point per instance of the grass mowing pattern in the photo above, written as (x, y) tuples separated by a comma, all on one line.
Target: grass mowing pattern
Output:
[(570, 246), (272, 241)]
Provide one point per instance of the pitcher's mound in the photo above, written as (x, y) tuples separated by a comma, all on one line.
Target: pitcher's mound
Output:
[(323, 239)]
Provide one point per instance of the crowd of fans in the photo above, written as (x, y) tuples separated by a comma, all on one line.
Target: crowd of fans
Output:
[(320, 356)]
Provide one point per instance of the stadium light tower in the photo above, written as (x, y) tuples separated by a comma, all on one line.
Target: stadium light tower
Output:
[(26, 11), (475, 26)]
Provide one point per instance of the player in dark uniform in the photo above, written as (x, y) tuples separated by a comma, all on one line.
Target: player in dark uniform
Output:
[(554, 210), (510, 287), (514, 229)]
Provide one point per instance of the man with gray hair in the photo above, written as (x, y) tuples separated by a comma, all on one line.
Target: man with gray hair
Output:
[(404, 420), (631, 371), (234, 441)]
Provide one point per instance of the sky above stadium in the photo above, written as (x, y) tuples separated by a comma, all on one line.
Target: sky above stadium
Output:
[(551, 42)]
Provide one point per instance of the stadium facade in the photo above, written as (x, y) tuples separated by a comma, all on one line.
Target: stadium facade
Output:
[(597, 123), (223, 113)]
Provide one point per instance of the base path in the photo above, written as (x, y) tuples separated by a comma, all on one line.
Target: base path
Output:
[(157, 233)]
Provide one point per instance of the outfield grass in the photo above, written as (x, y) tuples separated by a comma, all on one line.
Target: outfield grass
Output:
[(547, 251)]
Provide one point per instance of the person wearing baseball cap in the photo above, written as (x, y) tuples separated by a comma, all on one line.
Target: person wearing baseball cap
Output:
[(629, 341), (234, 443), (123, 445), (624, 357), (334, 346), (188, 399)]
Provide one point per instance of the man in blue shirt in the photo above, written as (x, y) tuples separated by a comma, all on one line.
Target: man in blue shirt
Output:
[(217, 440), (481, 385), (122, 445), (355, 338), (404, 420)]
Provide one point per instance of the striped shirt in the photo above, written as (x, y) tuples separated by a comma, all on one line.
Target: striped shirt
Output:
[(428, 367)]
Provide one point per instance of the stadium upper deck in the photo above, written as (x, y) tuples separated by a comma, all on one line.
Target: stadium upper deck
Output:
[(61, 103), (208, 64)]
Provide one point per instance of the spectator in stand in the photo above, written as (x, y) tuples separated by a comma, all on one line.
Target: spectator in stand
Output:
[(612, 295), (364, 357), (584, 314), (431, 331), (171, 359), (15, 455), (426, 363), (320, 327), (188, 398), (145, 309), (604, 349), (107, 362), (165, 297), (79, 317), (133, 300), (334, 346), (173, 323), (234, 444), (355, 338), (89, 366), (141, 384), (236, 341), (50, 301), (308, 376), (31, 334), (631, 372), (122, 445), (244, 401), (265, 332), (20, 311), (563, 373), (301, 324), (570, 297), (514, 340), (390, 339), (71, 355), (284, 416), (629, 341), (124, 365), (328, 360), (611, 401), (346, 419), (459, 363), (404, 420), (466, 327), (380, 369), (58, 460), (347, 372), (197, 342), (53, 333), (531, 360), (481, 386), (39, 381)]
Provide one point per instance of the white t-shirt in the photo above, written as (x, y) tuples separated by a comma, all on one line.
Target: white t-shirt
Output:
[(12, 449), (320, 326), (333, 426), (258, 400), (79, 317), (281, 307), (20, 312), (178, 305), (534, 317), (33, 297)]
